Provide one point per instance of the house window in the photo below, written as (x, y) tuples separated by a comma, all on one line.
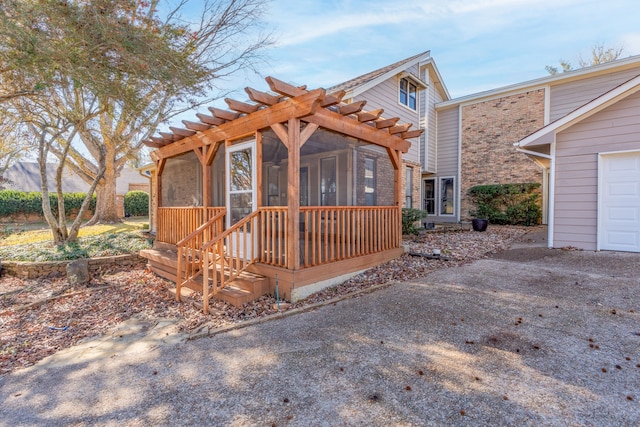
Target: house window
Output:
[(430, 196), (408, 93), (369, 181), (328, 185), (447, 200), (408, 187)]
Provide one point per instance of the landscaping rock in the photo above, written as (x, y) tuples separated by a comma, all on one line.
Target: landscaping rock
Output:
[(78, 272)]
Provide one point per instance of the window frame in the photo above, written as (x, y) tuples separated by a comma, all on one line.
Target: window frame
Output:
[(441, 195), (406, 93), (433, 197), (408, 187)]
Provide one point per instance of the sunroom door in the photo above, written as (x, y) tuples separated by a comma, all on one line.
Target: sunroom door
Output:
[(241, 194)]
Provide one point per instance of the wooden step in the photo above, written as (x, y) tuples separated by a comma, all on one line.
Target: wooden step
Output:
[(239, 291), (236, 296), (166, 257), (244, 288)]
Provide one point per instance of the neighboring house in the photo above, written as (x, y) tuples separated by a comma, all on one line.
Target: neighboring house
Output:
[(481, 130), (297, 187), (25, 176)]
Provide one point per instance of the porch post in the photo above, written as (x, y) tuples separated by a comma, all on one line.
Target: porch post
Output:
[(397, 191), (293, 196)]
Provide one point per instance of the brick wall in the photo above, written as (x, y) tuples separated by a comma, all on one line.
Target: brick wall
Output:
[(489, 130)]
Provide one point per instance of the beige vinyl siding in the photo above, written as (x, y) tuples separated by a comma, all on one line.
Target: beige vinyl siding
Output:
[(566, 97), (424, 114), (385, 96), (616, 128), (447, 131), (432, 141)]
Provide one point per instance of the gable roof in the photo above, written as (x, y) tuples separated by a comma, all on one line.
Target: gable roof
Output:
[(390, 69), (541, 137), (362, 83), (608, 67)]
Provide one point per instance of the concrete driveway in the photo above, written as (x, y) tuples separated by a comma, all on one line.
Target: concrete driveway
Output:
[(529, 337)]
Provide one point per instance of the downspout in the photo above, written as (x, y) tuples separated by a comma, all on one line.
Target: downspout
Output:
[(458, 208), (552, 186)]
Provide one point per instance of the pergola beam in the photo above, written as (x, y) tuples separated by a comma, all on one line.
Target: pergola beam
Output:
[(210, 120), (223, 114), (297, 107), (241, 107), (333, 98), (399, 128), (387, 123), (262, 97), (369, 116), (195, 125), (182, 132), (348, 126), (354, 107)]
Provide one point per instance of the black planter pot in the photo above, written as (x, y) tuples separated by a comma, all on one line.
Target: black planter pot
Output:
[(479, 224)]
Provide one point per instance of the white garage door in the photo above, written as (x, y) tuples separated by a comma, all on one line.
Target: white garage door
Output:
[(619, 225)]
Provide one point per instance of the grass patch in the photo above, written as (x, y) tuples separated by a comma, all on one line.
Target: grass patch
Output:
[(20, 234), (95, 241), (85, 247)]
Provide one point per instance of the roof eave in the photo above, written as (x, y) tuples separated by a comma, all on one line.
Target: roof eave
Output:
[(596, 69)]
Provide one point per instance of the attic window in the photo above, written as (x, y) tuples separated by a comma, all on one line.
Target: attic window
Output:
[(408, 93)]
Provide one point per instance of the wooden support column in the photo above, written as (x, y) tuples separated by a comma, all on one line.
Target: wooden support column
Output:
[(293, 196), (159, 169), (396, 160)]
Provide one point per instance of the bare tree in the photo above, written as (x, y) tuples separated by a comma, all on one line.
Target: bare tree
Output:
[(13, 143), (599, 55), (106, 73)]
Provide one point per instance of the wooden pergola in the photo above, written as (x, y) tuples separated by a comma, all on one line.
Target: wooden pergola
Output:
[(293, 113)]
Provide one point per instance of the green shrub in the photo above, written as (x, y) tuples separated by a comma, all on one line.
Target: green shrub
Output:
[(136, 203), (409, 218), (515, 204), (14, 202)]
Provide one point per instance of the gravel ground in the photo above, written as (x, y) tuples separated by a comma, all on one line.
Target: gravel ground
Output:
[(523, 337), (40, 317)]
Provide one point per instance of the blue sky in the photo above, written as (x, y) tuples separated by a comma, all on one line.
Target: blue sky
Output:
[(477, 44)]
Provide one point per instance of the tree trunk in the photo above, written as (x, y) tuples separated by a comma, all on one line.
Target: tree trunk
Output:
[(106, 206)]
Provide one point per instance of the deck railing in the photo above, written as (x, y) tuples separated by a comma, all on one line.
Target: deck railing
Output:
[(190, 260), (228, 254), (176, 223), (273, 236), (334, 233)]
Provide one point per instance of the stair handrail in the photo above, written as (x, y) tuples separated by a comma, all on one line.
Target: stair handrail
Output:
[(235, 265), (190, 240)]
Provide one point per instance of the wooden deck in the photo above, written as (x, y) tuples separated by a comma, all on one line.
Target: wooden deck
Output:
[(246, 261)]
